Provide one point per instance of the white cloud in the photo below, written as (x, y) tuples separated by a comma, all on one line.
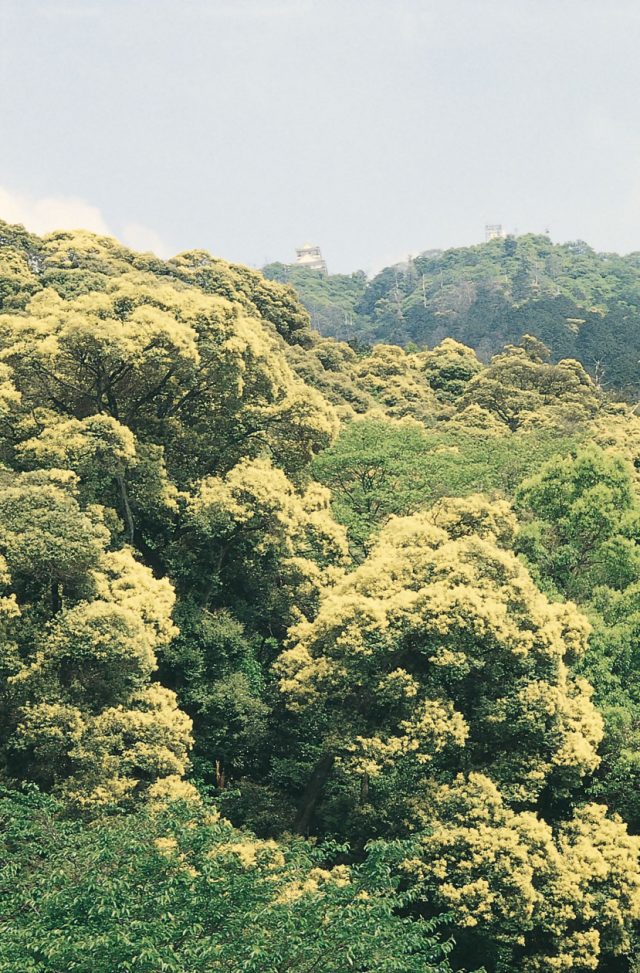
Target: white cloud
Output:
[(50, 213), (140, 237)]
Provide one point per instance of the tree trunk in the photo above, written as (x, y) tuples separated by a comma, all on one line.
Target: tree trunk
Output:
[(314, 789), (56, 598), (128, 515)]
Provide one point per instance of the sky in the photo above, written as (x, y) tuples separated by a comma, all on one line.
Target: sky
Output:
[(375, 128)]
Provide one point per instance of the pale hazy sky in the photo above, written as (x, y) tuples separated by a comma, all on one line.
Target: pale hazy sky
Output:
[(376, 128)]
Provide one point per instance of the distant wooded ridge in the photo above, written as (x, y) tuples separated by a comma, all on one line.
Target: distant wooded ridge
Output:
[(582, 304)]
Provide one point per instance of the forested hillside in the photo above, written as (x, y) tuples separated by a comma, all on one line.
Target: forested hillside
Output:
[(582, 304), (314, 659)]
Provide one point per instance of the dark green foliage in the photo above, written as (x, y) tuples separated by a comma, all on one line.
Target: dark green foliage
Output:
[(331, 301), (582, 304), (583, 524), (215, 669), (180, 891), (581, 536)]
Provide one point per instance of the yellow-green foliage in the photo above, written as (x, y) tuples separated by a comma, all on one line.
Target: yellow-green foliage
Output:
[(122, 580), (330, 367), (262, 537), (256, 497), (82, 627), (9, 395), (439, 654), (73, 250), (277, 305), (465, 516), (617, 429), (395, 380), (169, 362), (82, 445), (554, 899), (162, 543), (178, 887), (44, 534), (476, 418), (449, 367), (522, 390), (433, 613)]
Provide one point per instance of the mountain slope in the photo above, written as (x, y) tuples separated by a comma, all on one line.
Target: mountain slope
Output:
[(582, 304)]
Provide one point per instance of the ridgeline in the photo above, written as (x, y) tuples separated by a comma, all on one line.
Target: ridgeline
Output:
[(581, 304)]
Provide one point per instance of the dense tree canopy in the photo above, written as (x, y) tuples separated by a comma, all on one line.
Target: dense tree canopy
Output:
[(84, 625), (448, 681), (383, 598), (182, 890), (582, 304)]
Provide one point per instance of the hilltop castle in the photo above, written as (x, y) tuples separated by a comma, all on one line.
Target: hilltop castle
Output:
[(309, 256)]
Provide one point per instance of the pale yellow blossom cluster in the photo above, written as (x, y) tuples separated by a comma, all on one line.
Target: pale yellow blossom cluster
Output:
[(435, 605), (575, 889), (440, 653)]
